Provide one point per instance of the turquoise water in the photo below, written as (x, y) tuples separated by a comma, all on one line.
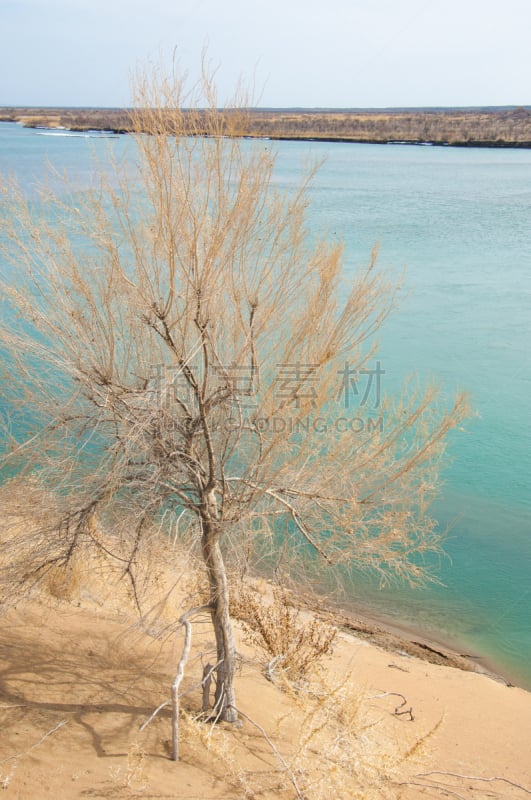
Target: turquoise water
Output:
[(458, 221)]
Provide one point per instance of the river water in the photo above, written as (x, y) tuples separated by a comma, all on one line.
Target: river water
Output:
[(457, 224)]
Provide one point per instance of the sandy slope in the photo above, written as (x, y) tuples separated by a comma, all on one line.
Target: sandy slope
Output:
[(80, 673)]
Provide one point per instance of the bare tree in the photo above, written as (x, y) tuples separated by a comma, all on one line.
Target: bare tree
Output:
[(175, 340)]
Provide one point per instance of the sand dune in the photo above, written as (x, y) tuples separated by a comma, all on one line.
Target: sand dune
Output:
[(78, 677)]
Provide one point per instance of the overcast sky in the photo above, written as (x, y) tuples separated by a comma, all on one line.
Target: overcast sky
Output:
[(328, 53)]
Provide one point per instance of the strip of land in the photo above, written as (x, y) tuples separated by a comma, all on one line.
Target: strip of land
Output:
[(79, 680), (378, 717), (469, 127)]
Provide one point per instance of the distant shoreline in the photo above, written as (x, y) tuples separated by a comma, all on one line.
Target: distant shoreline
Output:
[(504, 127)]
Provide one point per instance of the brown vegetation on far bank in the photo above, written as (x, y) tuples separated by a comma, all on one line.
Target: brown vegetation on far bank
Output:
[(497, 127)]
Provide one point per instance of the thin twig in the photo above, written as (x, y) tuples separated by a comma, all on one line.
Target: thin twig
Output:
[(397, 711), (206, 682), (182, 694), (474, 778), (183, 620), (153, 715), (33, 746), (270, 666), (437, 788), (276, 752)]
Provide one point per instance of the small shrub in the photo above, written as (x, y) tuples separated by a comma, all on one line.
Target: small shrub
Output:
[(278, 630)]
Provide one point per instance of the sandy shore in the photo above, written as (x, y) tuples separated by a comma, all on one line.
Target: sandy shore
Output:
[(385, 715), (397, 636)]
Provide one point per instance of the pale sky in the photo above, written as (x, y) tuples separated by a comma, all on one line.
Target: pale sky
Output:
[(326, 53)]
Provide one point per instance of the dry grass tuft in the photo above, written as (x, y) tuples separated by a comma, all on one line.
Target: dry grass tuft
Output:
[(277, 629), (345, 747)]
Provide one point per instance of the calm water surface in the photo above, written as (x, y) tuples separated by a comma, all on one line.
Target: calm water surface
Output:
[(458, 222)]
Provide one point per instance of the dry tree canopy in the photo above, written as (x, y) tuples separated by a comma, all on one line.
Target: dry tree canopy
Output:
[(173, 339)]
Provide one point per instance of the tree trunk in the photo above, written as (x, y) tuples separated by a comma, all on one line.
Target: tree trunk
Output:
[(225, 703)]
